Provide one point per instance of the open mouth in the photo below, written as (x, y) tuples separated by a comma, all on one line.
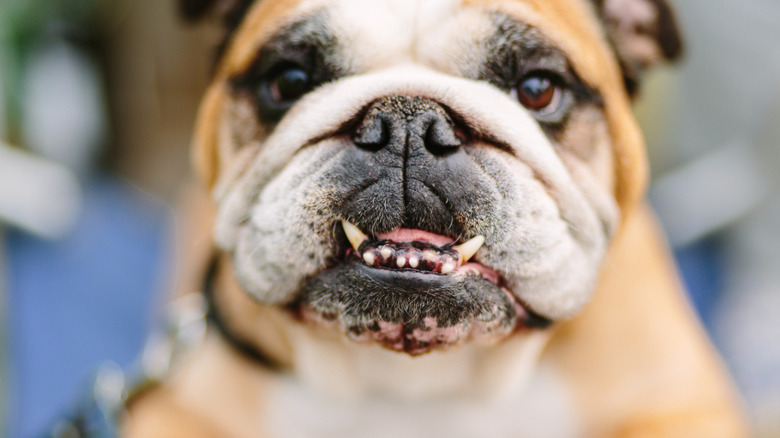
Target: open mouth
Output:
[(413, 291), (417, 250)]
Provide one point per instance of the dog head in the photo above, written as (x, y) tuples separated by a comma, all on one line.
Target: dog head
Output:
[(424, 174)]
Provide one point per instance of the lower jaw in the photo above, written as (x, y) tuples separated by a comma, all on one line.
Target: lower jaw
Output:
[(411, 312)]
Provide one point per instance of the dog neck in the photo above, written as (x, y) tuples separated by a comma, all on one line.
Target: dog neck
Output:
[(242, 399)]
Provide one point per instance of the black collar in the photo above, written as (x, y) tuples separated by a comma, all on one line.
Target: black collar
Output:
[(217, 320)]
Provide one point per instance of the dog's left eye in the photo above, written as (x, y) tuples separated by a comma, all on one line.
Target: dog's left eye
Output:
[(540, 93)]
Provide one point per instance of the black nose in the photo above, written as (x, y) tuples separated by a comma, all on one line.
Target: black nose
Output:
[(410, 165), (401, 121)]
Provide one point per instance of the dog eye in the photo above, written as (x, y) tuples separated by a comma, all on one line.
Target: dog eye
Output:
[(540, 93), (289, 85)]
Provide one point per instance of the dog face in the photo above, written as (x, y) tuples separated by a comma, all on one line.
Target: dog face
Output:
[(422, 174)]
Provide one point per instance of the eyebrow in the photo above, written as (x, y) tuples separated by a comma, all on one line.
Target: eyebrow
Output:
[(516, 48), (307, 41)]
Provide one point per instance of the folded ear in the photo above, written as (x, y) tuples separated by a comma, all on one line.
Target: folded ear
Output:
[(229, 11), (642, 32)]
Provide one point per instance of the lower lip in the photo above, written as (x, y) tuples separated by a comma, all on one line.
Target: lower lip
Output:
[(526, 320)]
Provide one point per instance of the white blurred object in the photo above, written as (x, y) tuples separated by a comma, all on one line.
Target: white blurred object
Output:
[(64, 107), (709, 194), (36, 195)]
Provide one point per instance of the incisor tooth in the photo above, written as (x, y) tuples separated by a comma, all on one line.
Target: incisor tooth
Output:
[(448, 267), (386, 252), (369, 258), (468, 249), (355, 236), (429, 255)]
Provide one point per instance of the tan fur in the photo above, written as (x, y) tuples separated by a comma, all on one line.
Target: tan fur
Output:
[(638, 337), (162, 416), (597, 66)]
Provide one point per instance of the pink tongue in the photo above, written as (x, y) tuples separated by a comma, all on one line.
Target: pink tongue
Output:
[(410, 235)]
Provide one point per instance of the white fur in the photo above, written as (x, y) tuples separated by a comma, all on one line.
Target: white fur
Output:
[(336, 367), (544, 409)]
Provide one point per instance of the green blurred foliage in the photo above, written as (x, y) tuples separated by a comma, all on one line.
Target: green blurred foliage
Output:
[(24, 23)]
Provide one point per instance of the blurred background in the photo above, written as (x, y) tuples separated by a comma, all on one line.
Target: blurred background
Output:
[(97, 103)]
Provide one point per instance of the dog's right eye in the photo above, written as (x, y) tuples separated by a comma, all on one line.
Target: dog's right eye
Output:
[(288, 85), (277, 89)]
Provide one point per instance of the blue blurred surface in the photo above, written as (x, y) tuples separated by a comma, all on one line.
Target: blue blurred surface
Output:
[(702, 265), (80, 301)]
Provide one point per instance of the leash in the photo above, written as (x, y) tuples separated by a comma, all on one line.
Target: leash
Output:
[(184, 328), (104, 407)]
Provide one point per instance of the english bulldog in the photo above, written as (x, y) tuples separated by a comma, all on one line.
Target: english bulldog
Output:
[(429, 223)]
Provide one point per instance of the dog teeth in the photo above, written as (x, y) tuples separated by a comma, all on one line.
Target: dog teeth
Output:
[(386, 252), (468, 249), (355, 236), (418, 256)]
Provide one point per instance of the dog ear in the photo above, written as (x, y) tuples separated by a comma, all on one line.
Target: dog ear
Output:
[(642, 32), (195, 9), (231, 12)]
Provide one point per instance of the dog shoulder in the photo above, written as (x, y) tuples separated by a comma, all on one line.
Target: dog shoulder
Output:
[(639, 337), (161, 415)]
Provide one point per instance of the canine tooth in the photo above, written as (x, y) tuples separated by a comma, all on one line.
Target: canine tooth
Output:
[(355, 236), (448, 267), (369, 258), (400, 261), (386, 252), (468, 249), (414, 262)]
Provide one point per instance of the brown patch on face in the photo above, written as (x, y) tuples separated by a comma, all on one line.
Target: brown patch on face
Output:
[(226, 129), (227, 120), (574, 26), (261, 21)]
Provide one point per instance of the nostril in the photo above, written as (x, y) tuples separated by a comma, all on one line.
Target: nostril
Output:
[(401, 122), (372, 134), (462, 135), (441, 137)]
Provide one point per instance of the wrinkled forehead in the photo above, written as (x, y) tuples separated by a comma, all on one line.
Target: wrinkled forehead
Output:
[(407, 31)]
